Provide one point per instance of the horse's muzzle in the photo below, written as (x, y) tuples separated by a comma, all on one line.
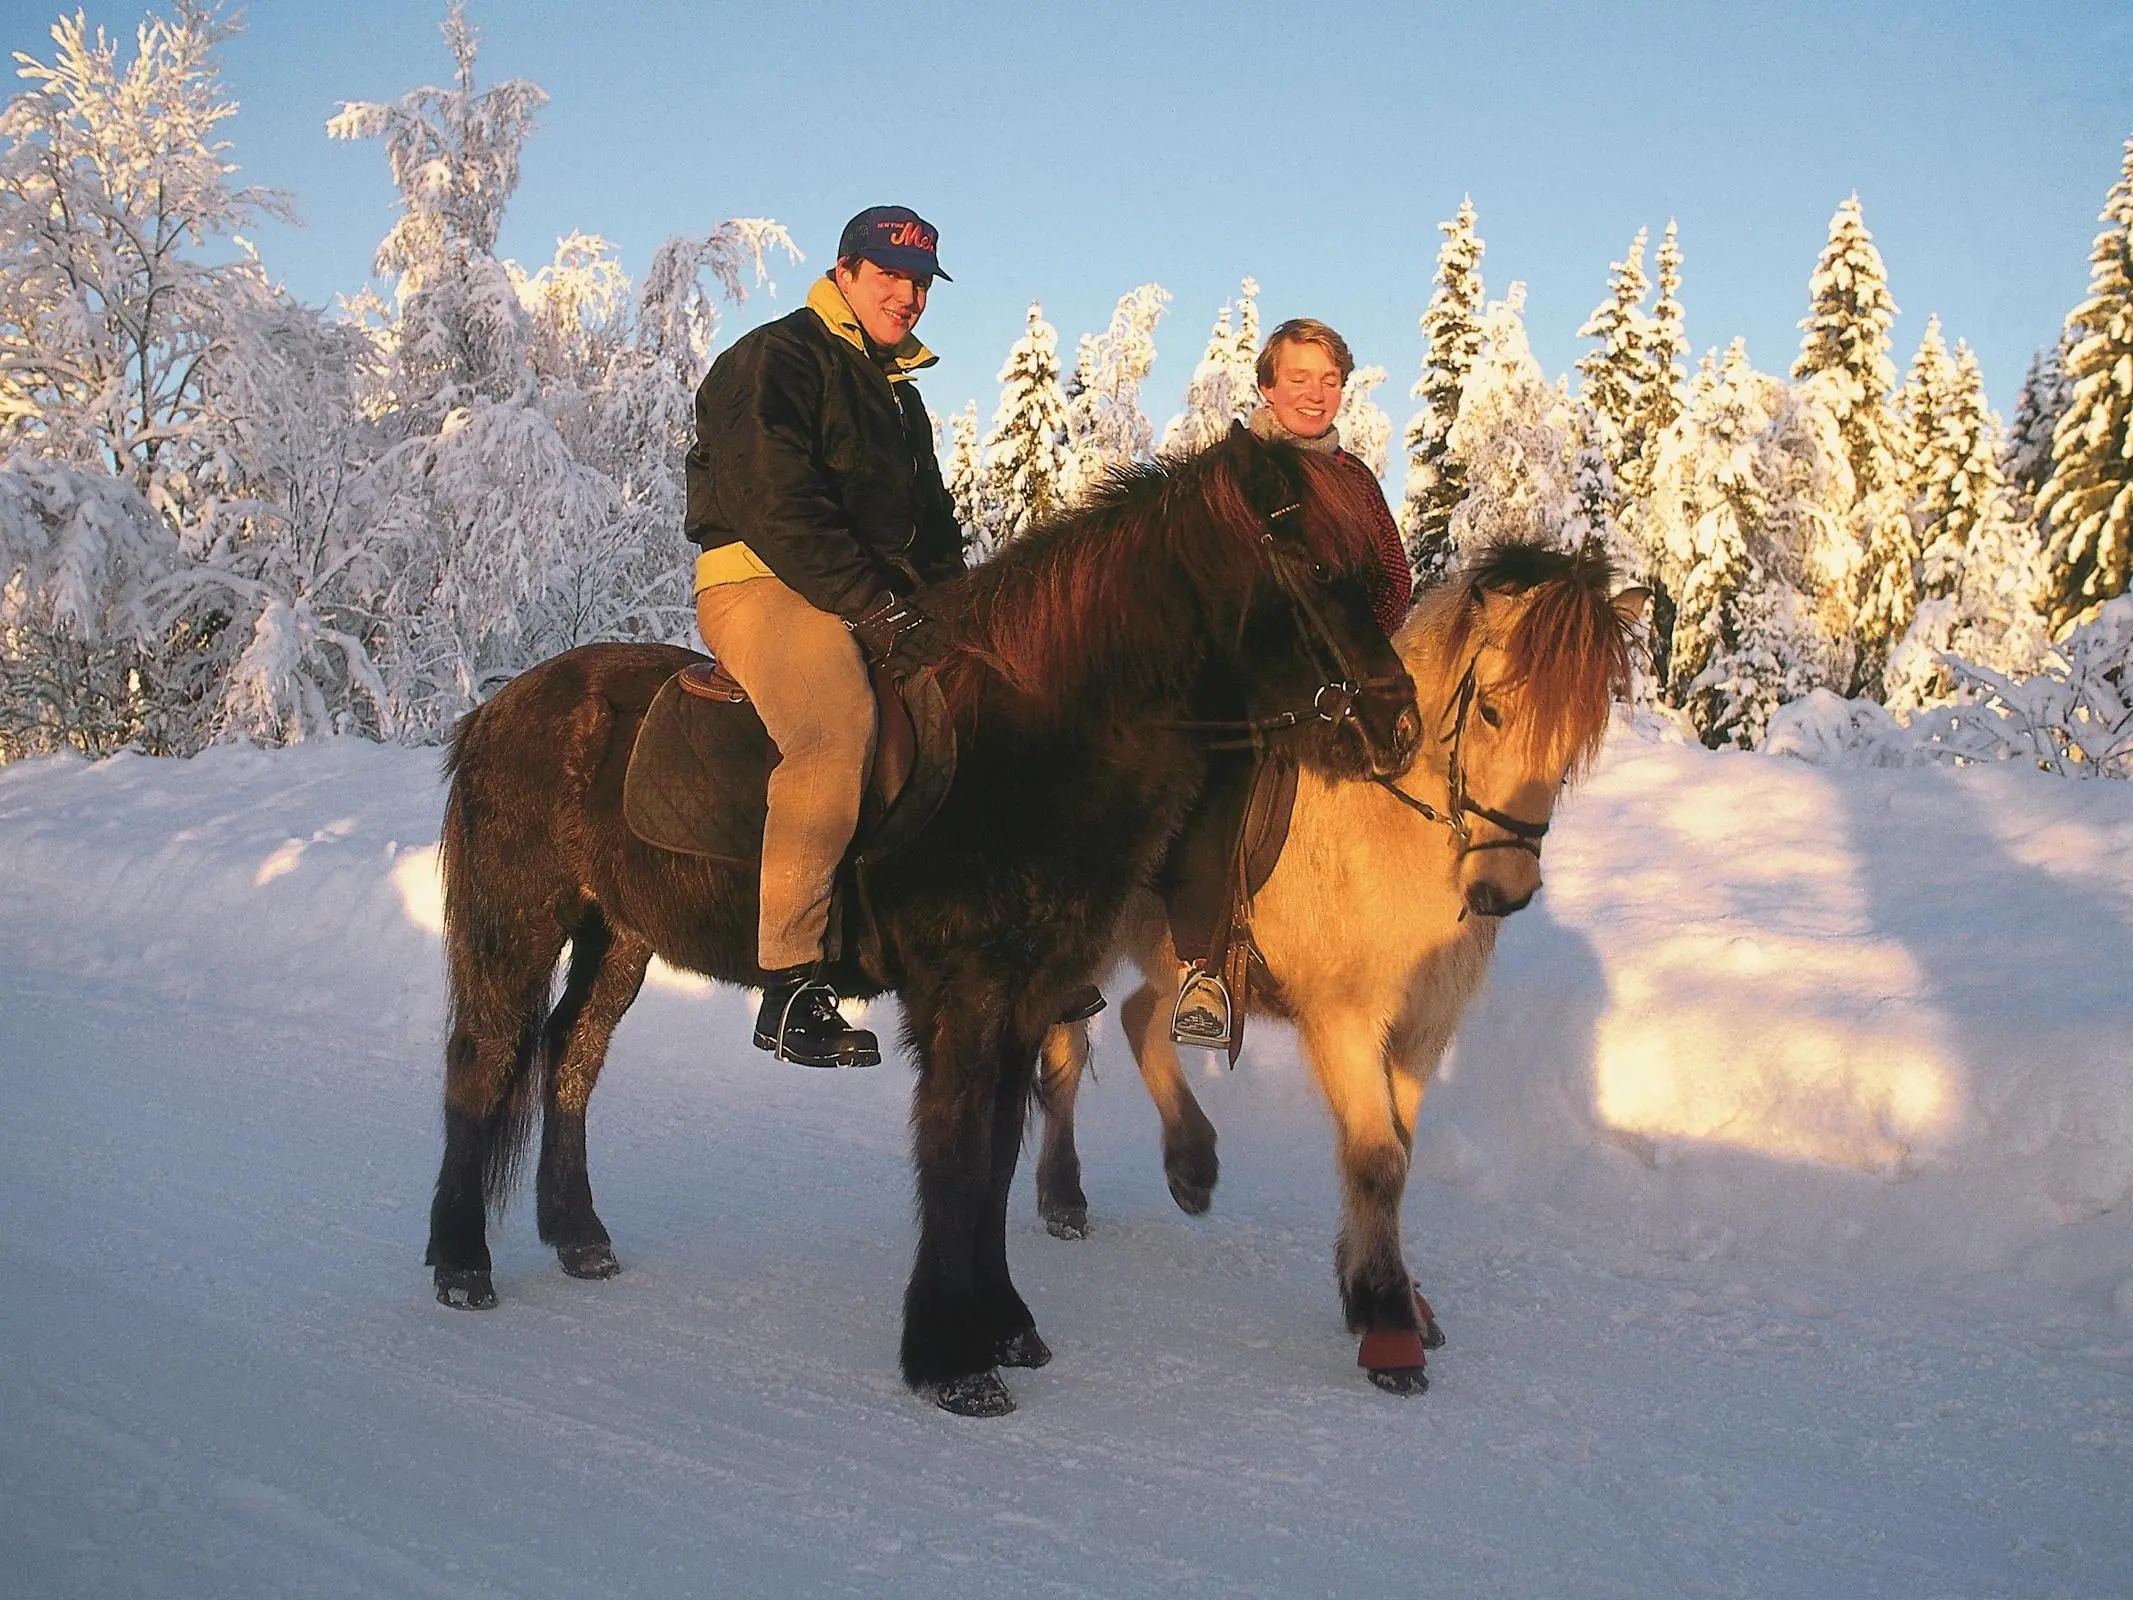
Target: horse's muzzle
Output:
[(1392, 750), (1484, 899)]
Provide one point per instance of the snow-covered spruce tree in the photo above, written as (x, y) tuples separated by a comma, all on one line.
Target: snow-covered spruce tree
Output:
[(1925, 408), (1844, 369), (1664, 385), (1982, 564), (1365, 430), (2087, 502), (1614, 375), (1244, 355), (2038, 408), (1225, 385), (1025, 450), (1451, 339), (1105, 425), (964, 475), (1666, 341), (1512, 437), (1741, 485), (114, 186)]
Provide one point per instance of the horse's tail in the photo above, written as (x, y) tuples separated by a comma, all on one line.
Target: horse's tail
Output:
[(500, 955)]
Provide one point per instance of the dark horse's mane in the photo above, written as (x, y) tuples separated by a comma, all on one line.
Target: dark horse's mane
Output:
[(1568, 647), (1071, 592)]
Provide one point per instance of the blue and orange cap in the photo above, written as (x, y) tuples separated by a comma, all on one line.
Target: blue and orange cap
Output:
[(893, 236)]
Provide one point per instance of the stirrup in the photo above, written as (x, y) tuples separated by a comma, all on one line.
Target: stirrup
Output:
[(1202, 1016)]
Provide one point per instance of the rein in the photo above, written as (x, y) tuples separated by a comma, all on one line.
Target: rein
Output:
[(1524, 835)]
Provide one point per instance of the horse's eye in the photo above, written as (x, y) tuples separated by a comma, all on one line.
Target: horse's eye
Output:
[(1321, 572), (1490, 714)]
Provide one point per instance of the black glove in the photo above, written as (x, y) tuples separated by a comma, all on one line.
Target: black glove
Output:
[(895, 634)]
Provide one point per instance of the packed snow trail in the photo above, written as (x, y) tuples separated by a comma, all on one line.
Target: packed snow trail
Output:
[(1729, 1314)]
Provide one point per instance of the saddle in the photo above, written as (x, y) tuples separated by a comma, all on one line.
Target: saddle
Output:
[(679, 793), (1223, 857)]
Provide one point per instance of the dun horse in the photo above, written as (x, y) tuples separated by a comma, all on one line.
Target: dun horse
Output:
[(1092, 654), (1378, 922)]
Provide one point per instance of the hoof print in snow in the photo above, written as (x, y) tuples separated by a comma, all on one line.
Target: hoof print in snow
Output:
[(465, 1289), (588, 1260), (981, 1394), (1024, 1349)]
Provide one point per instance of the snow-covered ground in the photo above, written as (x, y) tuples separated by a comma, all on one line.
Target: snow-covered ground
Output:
[(1776, 1204)]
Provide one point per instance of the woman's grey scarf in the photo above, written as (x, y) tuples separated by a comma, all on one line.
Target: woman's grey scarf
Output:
[(1265, 425)]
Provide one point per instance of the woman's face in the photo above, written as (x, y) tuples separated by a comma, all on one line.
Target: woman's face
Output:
[(1305, 395)]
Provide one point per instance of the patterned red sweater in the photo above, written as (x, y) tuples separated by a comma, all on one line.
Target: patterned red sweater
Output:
[(1391, 600)]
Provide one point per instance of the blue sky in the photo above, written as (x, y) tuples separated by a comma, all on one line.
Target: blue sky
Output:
[(1070, 152)]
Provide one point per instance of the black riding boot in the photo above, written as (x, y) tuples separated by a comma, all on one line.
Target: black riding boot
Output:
[(799, 1021)]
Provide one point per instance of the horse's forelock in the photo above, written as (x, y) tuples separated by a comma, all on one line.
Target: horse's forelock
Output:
[(1567, 647)]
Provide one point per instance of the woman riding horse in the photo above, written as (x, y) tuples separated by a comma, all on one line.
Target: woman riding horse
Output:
[(1302, 373)]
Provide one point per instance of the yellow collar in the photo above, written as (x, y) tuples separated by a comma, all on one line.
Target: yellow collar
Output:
[(826, 301)]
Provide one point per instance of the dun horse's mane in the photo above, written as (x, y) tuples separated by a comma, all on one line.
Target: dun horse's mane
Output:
[(1567, 646), (1072, 604)]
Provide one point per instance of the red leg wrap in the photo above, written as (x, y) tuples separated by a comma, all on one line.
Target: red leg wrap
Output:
[(1391, 1350)]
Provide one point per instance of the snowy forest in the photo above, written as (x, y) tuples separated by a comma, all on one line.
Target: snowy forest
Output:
[(225, 515)]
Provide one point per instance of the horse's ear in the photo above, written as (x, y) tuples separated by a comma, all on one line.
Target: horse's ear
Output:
[(1631, 604)]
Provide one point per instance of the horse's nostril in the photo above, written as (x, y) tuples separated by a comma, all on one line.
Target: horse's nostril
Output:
[(1409, 728), (1486, 900)]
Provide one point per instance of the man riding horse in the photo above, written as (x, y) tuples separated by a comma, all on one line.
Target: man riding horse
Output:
[(816, 498)]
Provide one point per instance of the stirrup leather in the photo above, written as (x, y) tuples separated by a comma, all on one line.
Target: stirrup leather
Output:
[(1203, 1016)]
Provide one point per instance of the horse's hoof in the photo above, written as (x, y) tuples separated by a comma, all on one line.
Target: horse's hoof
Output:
[(1023, 1349), (588, 1260), (1193, 1198), (981, 1394), (465, 1289), (1067, 1222), (1399, 1380)]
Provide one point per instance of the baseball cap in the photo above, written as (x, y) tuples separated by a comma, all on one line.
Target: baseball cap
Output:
[(893, 236)]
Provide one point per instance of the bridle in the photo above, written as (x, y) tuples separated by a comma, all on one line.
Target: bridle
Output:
[(1523, 835), (1342, 685)]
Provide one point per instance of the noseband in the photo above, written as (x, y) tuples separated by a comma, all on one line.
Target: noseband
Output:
[(1524, 835)]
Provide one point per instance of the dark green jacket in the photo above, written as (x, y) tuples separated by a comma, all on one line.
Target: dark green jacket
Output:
[(809, 455)]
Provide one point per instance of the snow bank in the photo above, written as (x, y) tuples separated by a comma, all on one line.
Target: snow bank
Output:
[(1880, 1016)]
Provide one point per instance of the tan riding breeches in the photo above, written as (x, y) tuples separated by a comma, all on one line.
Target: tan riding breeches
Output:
[(809, 683)]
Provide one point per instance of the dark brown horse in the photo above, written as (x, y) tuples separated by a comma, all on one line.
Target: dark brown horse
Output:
[(1232, 588)]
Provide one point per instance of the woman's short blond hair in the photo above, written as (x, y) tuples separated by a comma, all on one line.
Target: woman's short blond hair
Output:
[(1303, 330)]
